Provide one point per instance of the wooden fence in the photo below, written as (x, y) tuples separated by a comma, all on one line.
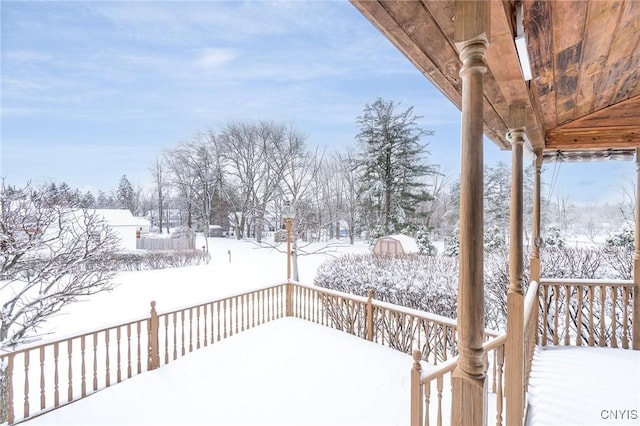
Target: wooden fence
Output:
[(45, 376), (188, 243)]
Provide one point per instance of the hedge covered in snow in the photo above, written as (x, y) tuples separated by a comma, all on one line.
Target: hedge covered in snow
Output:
[(427, 283), (143, 260)]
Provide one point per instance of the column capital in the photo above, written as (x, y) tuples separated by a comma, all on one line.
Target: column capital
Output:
[(472, 54)]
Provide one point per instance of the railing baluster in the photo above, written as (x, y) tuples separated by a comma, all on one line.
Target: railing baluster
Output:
[(43, 398), (253, 309), (242, 303), (56, 393), (95, 361), (83, 370), (107, 376), (439, 390), (592, 330), (119, 360), (224, 315), (166, 339), (601, 340), (427, 397), (579, 318), (625, 321), (129, 350), (218, 311), (182, 348), (437, 329), (139, 356), (499, 394), (545, 314), (70, 370), (190, 329), (198, 327), (614, 320), (556, 297), (26, 383), (236, 300), (567, 315), (206, 323), (211, 316), (175, 335)]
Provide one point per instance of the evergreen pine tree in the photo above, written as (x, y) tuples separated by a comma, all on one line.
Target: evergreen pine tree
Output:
[(393, 163), (125, 195)]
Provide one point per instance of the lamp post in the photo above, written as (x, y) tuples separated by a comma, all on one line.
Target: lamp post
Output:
[(288, 213)]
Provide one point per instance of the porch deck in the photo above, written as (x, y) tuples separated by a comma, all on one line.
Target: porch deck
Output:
[(571, 385), (286, 372)]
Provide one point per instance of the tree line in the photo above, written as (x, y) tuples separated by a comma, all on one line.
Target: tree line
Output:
[(241, 175)]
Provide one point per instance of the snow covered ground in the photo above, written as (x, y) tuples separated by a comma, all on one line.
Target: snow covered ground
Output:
[(286, 372), (583, 386), (250, 267)]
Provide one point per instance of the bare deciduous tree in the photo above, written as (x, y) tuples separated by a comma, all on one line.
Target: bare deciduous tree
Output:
[(50, 255)]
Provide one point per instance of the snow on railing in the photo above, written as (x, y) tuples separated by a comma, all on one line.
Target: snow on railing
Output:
[(586, 312)]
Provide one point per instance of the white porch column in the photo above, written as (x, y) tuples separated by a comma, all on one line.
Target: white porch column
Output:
[(514, 367), (469, 406)]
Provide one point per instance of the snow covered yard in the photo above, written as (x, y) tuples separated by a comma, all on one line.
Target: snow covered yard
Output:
[(286, 372), (235, 267), (572, 385)]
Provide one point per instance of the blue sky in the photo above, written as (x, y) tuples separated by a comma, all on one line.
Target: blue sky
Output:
[(95, 90)]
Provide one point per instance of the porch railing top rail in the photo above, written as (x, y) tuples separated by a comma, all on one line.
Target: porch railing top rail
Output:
[(390, 306), (530, 298), (382, 304), (63, 337), (585, 282)]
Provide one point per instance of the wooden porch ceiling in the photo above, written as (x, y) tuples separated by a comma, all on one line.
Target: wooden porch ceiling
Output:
[(585, 61)]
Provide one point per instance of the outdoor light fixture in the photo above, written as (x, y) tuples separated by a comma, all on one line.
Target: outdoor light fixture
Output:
[(288, 213), (521, 43), (523, 55)]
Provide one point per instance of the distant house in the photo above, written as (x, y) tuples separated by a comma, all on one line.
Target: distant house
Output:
[(125, 225), (395, 244)]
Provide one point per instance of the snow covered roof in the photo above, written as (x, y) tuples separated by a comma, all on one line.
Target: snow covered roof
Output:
[(118, 217), (409, 244)]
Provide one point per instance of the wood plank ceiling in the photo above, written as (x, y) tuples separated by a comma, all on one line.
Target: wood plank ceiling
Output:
[(584, 97)]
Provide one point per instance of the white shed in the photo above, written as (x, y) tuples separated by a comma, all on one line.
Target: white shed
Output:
[(395, 244), (124, 225)]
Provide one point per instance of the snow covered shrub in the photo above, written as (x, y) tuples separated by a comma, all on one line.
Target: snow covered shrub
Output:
[(571, 262), (617, 254), (145, 260), (553, 238), (618, 262), (420, 282), (425, 246), (493, 239), (452, 244), (624, 238)]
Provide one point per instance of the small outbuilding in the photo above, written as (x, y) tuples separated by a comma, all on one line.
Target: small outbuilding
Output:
[(395, 244), (216, 231)]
